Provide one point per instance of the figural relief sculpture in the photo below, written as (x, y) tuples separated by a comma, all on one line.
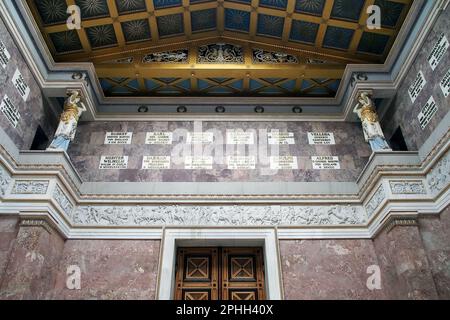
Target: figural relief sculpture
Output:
[(373, 133), (65, 133)]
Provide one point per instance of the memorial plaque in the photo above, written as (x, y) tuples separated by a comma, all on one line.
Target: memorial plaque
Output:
[(438, 51), (240, 137), (416, 88), (445, 84), (192, 163), (10, 111), (118, 137), (113, 162), (20, 85), (159, 138), (4, 55), (277, 137), (241, 162), (200, 137), (325, 162), (156, 162), (283, 163), (326, 138), (427, 113)]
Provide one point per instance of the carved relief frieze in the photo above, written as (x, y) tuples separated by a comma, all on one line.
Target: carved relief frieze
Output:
[(439, 177), (30, 187), (375, 201), (407, 187), (5, 180), (220, 53), (270, 57), (219, 215), (63, 201)]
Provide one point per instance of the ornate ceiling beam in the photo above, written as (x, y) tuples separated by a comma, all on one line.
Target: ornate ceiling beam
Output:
[(218, 71)]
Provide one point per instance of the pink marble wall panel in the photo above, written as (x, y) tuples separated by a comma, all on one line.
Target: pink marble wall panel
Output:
[(30, 273), (404, 264), (110, 269), (435, 232), (8, 232), (328, 269), (88, 147), (403, 112), (32, 111)]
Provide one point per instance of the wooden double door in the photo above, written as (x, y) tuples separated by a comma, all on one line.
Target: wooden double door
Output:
[(220, 274)]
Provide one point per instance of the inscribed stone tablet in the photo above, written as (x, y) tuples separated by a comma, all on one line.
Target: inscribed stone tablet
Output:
[(283, 163), (241, 162), (20, 85), (326, 138), (192, 163), (427, 113), (159, 138), (4, 55), (325, 162), (240, 137), (417, 86), (113, 162), (156, 162), (10, 111), (438, 51), (277, 137), (118, 137)]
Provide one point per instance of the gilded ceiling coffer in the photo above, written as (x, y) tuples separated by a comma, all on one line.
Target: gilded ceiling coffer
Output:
[(373, 134), (73, 108)]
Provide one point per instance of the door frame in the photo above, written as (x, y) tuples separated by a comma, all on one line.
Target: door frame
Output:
[(219, 237)]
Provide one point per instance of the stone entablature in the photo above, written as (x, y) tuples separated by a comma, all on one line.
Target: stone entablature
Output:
[(430, 189)]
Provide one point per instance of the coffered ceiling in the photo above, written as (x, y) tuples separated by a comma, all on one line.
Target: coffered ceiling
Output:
[(219, 48)]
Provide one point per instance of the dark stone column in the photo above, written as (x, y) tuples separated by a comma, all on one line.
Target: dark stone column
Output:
[(31, 269), (405, 270)]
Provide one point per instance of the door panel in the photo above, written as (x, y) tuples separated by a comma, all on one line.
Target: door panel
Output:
[(197, 274), (219, 274)]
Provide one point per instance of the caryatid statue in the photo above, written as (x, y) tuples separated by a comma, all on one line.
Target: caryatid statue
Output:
[(73, 108), (373, 133)]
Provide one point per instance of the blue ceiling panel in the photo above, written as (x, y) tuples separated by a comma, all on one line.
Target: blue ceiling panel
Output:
[(203, 20), (159, 4), (93, 8), (124, 7), (278, 4), (314, 7), (170, 25), (136, 30), (271, 26), (347, 9), (390, 12), (338, 38), (237, 20), (373, 43), (303, 31)]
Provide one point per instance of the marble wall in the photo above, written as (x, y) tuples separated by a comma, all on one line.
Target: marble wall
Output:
[(32, 111), (8, 232), (403, 112), (34, 264), (350, 147), (328, 269), (404, 264), (110, 269), (413, 260), (31, 268), (436, 240)]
